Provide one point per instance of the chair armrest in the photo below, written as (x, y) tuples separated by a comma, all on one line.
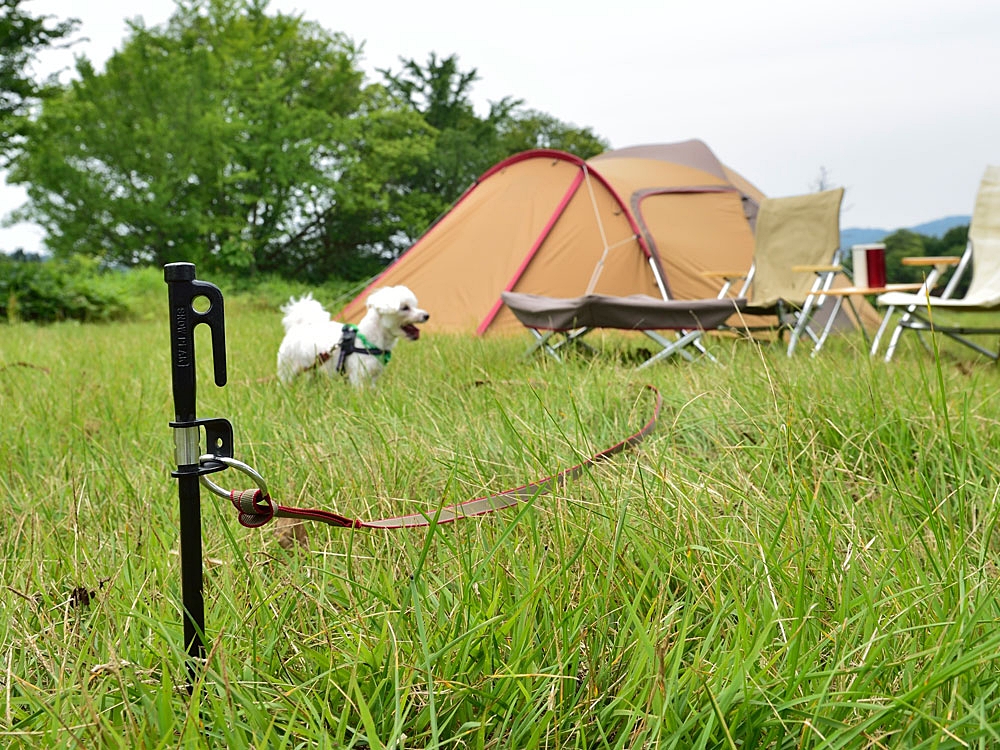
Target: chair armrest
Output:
[(727, 275), (849, 291), (931, 260), (728, 278), (939, 263), (817, 269)]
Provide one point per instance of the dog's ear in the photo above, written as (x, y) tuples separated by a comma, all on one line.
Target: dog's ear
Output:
[(382, 301)]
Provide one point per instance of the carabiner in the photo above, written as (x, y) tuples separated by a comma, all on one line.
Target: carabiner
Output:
[(236, 464)]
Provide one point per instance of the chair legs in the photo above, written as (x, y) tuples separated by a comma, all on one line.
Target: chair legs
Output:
[(668, 347), (829, 324), (882, 327), (912, 320), (822, 284), (677, 346), (543, 339), (542, 342)]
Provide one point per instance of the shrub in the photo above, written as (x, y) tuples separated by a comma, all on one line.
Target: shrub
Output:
[(42, 290)]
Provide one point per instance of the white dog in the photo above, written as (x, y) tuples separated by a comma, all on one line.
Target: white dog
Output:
[(315, 342)]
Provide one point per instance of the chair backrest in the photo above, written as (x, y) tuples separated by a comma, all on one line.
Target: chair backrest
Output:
[(801, 230), (984, 238)]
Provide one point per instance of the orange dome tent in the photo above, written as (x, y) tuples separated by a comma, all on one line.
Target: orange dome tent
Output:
[(640, 220)]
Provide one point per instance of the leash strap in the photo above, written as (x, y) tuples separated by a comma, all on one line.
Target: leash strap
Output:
[(256, 507)]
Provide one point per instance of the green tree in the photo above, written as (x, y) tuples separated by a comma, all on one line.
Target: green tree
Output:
[(907, 244), (249, 142), (526, 129), (903, 244), (952, 242), (466, 145), (228, 137), (22, 37), (373, 211)]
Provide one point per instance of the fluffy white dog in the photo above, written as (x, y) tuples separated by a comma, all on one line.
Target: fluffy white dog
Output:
[(315, 342)]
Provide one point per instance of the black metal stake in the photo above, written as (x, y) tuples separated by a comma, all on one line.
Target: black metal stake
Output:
[(183, 292)]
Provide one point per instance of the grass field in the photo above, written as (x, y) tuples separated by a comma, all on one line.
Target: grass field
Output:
[(805, 553)]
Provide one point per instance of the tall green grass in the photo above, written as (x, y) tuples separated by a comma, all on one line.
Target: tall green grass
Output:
[(803, 554)]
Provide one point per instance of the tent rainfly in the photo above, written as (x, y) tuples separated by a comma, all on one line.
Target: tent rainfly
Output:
[(640, 220)]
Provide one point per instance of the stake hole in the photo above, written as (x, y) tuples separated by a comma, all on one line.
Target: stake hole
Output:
[(201, 304)]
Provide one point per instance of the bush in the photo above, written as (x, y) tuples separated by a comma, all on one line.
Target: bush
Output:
[(42, 290), (271, 291)]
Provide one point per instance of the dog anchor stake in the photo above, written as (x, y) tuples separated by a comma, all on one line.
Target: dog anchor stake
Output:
[(192, 303)]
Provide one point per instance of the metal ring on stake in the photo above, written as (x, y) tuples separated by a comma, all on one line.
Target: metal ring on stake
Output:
[(234, 463), (255, 507)]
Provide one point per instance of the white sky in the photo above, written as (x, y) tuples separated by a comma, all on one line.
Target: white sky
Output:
[(899, 100)]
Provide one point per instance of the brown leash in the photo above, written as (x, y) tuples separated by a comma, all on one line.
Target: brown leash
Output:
[(256, 507)]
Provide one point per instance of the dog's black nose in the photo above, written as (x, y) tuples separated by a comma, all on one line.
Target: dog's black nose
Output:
[(425, 318)]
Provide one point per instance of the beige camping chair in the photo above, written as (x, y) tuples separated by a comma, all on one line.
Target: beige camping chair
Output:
[(923, 312), (796, 244)]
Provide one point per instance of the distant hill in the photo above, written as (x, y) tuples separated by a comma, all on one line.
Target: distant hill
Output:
[(935, 228)]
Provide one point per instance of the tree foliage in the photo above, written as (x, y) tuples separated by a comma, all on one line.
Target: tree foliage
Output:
[(250, 142), (467, 145), (906, 244), (224, 138), (22, 37)]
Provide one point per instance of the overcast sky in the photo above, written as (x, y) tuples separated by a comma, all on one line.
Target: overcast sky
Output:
[(898, 100)]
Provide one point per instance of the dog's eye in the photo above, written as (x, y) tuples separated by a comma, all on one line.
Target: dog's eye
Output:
[(404, 308)]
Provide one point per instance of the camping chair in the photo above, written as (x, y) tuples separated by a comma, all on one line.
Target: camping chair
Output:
[(793, 237), (796, 245), (921, 310), (569, 319)]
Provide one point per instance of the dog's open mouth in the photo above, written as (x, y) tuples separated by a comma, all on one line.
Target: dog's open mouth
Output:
[(411, 331)]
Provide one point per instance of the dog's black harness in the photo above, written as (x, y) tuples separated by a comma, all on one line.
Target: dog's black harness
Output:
[(347, 346), (348, 336)]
